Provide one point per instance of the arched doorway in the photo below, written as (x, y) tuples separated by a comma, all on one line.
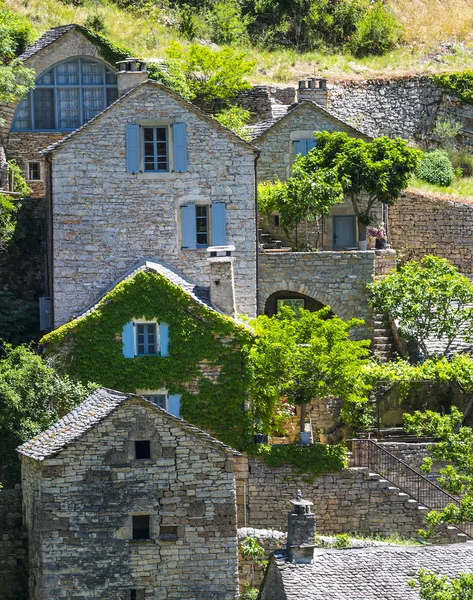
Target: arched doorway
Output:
[(294, 300)]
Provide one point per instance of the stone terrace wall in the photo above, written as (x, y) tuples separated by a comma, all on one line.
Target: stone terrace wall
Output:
[(426, 224), (12, 547), (257, 100), (343, 502)]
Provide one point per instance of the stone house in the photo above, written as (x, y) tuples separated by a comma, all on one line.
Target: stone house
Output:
[(156, 334), (124, 501), (289, 134)]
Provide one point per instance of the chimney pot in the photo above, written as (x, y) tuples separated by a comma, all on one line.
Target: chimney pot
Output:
[(222, 284), (301, 530), (131, 72)]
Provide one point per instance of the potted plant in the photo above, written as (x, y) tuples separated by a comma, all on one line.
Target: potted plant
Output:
[(379, 233)]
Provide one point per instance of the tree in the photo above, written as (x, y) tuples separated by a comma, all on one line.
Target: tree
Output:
[(301, 197), (212, 74), (235, 118), (306, 358), (429, 298), (32, 397), (440, 587), (369, 172)]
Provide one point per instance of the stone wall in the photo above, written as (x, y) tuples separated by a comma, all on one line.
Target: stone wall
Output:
[(79, 506), (106, 220), (336, 279), (347, 501), (13, 548), (425, 224), (257, 100)]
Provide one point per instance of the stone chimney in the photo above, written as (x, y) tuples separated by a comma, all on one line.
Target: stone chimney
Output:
[(301, 531), (222, 285), (131, 72), (313, 89)]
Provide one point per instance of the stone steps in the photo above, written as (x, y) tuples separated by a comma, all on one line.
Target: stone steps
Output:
[(383, 340)]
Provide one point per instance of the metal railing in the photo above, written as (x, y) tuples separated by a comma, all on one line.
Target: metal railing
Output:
[(367, 453)]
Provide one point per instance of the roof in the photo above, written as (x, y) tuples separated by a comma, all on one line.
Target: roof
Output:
[(47, 39), (140, 87), (98, 406), (198, 293), (380, 573), (257, 130)]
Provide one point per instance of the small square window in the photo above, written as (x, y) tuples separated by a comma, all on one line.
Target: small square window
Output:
[(34, 171), (141, 527), (168, 533), (142, 449)]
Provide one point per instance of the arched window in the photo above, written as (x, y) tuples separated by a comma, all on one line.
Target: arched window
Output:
[(67, 96)]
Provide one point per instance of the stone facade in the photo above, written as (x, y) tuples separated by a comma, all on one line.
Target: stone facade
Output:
[(426, 224), (79, 502), (335, 279), (105, 220), (13, 549)]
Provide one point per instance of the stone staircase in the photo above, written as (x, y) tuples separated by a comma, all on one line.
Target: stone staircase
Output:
[(268, 242), (383, 339), (448, 534)]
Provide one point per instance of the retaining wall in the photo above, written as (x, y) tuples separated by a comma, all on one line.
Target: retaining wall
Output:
[(13, 552)]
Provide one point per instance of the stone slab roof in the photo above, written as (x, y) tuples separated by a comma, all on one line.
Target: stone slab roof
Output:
[(258, 129), (48, 38), (370, 573), (198, 293), (99, 405)]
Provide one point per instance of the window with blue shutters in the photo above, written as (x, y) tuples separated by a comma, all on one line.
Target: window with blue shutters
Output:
[(156, 149), (140, 338), (303, 146), (146, 342), (203, 225)]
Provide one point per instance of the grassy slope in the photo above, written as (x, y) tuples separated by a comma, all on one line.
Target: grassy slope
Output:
[(427, 24)]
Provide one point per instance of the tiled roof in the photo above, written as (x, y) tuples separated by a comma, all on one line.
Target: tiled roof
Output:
[(257, 130), (198, 293), (99, 405), (380, 573), (48, 38)]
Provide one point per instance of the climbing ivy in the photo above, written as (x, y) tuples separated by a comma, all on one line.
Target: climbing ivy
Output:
[(200, 340), (108, 50), (311, 460), (460, 84)]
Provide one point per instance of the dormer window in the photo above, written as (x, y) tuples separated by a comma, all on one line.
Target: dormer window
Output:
[(145, 338), (67, 96)]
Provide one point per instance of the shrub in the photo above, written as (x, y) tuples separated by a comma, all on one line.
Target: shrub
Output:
[(464, 161), (436, 168), (96, 23), (346, 17), (235, 118), (227, 22), (377, 33), (16, 32)]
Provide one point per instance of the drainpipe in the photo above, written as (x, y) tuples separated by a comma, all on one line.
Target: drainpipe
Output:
[(50, 239), (256, 233)]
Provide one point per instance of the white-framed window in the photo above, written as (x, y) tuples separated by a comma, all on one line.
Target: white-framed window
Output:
[(34, 171), (145, 338), (155, 150), (156, 147)]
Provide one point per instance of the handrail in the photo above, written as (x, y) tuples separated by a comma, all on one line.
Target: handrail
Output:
[(368, 453)]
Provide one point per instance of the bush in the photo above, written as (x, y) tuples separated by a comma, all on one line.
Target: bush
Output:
[(16, 32), (96, 23), (227, 22), (378, 32), (436, 168), (464, 161)]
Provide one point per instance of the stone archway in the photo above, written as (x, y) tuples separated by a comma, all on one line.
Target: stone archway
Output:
[(307, 302)]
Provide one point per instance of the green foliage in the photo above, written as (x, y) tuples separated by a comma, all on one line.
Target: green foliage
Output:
[(436, 168), (108, 50), (306, 358), (32, 397), (342, 540), (433, 586), (235, 118), (96, 23), (170, 73), (429, 298), (378, 32), (311, 460), (251, 549), (211, 73), (447, 130), (250, 594), (19, 318), (460, 84), (91, 349), (377, 170), (227, 22), (9, 206), (464, 161)]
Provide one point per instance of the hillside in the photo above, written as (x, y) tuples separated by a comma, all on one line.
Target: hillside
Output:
[(436, 36)]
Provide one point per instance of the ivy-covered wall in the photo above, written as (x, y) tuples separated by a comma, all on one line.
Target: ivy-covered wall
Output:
[(205, 362)]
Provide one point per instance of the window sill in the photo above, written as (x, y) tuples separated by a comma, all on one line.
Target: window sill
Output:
[(156, 175), (146, 541)]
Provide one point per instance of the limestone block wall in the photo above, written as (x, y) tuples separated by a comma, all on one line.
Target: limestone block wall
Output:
[(343, 502), (13, 548), (257, 100), (425, 224), (106, 220), (79, 507), (336, 279)]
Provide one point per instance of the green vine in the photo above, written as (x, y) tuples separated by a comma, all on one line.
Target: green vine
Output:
[(200, 341), (309, 460), (460, 84), (108, 50)]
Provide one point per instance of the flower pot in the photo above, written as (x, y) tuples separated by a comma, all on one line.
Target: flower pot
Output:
[(381, 244), (304, 438), (363, 245)]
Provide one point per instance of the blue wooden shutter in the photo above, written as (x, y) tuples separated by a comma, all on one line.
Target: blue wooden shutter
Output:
[(188, 222), (300, 147), (174, 405), (179, 131), (309, 145), (132, 148), (219, 224), (128, 340), (164, 339)]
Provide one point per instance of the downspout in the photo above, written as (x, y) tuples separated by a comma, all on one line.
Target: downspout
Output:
[(50, 253), (256, 233)]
